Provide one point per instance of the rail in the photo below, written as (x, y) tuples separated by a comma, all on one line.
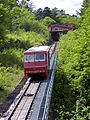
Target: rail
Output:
[(21, 108), (49, 92), (52, 49)]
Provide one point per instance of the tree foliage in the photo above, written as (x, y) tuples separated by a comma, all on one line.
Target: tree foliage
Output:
[(5, 7), (64, 19), (47, 21), (39, 14), (3, 20), (57, 15), (85, 5), (19, 16), (46, 12)]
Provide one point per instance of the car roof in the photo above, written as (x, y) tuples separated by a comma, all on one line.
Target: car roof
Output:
[(37, 49)]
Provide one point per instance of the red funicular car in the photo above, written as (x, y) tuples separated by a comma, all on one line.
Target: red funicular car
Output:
[(36, 61)]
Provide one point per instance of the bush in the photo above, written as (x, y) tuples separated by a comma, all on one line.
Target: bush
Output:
[(71, 94)]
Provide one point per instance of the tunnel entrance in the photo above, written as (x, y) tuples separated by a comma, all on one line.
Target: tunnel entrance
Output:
[(55, 35), (57, 30)]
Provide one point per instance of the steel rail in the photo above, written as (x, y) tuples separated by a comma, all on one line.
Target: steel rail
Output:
[(50, 86), (17, 100), (23, 102), (25, 105), (49, 92)]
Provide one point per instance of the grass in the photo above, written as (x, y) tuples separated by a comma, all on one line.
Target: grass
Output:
[(10, 74)]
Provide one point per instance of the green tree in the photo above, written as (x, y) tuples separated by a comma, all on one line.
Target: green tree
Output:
[(65, 19), (9, 3), (47, 21), (12, 3), (46, 12), (85, 5), (20, 16), (39, 14), (54, 13), (3, 20)]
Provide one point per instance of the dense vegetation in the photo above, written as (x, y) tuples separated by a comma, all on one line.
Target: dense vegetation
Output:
[(71, 94)]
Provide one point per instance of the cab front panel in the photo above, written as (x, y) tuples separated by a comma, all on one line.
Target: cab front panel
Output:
[(35, 63)]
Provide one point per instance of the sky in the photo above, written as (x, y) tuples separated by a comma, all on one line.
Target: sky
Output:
[(70, 6)]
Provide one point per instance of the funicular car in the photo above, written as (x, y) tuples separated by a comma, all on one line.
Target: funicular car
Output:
[(36, 61)]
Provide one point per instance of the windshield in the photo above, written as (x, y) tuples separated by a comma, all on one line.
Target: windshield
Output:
[(40, 57), (34, 57), (29, 58)]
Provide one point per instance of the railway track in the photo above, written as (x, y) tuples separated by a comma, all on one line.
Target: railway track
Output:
[(41, 106), (24, 104)]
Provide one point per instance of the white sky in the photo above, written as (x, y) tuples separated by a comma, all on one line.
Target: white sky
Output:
[(70, 6)]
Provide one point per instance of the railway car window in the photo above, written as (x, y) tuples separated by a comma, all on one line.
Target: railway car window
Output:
[(29, 58), (40, 57)]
